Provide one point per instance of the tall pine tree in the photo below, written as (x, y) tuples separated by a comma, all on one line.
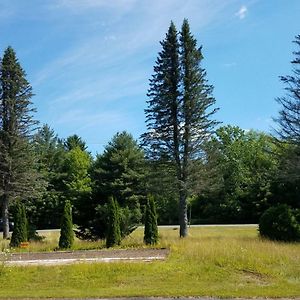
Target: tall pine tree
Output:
[(288, 131), (289, 114), (289, 122), (179, 109), (16, 125)]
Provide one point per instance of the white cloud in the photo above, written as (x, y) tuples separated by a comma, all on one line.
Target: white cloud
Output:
[(242, 12)]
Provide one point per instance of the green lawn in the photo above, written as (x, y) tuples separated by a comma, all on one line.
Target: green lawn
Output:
[(212, 261)]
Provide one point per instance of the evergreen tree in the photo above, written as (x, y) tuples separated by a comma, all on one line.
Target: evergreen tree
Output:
[(161, 183), (113, 236), (66, 231), (118, 172), (44, 212), (151, 231), (16, 124), (289, 115), (76, 180), (289, 131), (178, 120), (24, 222), (20, 232), (74, 141)]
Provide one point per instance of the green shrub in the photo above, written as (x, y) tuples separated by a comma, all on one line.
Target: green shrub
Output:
[(20, 232), (130, 219), (113, 236), (151, 231), (66, 239), (280, 223), (33, 234)]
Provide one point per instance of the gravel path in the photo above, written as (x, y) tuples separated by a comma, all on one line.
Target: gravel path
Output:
[(69, 257)]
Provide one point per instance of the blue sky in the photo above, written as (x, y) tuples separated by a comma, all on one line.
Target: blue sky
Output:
[(89, 61)]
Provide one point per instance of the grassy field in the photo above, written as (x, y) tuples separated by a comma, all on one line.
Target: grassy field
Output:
[(212, 261)]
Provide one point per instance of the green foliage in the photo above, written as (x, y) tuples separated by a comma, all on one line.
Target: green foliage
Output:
[(76, 166), (151, 230), (130, 218), (66, 239), (160, 182), (77, 181), (287, 187), (245, 165), (65, 168), (74, 141), (20, 232), (18, 176), (289, 114), (179, 110), (119, 172), (286, 184), (113, 236), (280, 223), (44, 212)]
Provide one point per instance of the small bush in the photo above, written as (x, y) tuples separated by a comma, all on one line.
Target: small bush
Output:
[(20, 232), (280, 223), (151, 231), (113, 237), (66, 239), (33, 234)]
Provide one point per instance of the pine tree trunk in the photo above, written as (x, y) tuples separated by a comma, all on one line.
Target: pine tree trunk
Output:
[(183, 219), (5, 216)]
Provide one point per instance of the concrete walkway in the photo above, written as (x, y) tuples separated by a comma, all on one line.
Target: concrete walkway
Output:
[(87, 256)]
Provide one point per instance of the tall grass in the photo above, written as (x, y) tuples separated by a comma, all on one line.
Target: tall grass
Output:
[(214, 261)]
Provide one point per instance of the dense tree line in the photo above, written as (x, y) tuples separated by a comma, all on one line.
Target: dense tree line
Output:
[(184, 167)]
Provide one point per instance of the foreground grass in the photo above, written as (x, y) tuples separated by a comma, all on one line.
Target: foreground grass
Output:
[(214, 261)]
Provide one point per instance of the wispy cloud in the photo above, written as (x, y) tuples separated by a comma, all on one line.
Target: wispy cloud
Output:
[(242, 12), (99, 56), (229, 64), (86, 118), (124, 40)]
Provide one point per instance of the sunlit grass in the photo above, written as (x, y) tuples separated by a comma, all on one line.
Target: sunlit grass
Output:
[(212, 261), (51, 238), (50, 243)]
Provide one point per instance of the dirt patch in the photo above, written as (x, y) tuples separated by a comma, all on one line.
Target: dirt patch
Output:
[(69, 257), (255, 277)]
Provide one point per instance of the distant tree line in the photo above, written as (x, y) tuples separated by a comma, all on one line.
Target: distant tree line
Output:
[(193, 169)]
